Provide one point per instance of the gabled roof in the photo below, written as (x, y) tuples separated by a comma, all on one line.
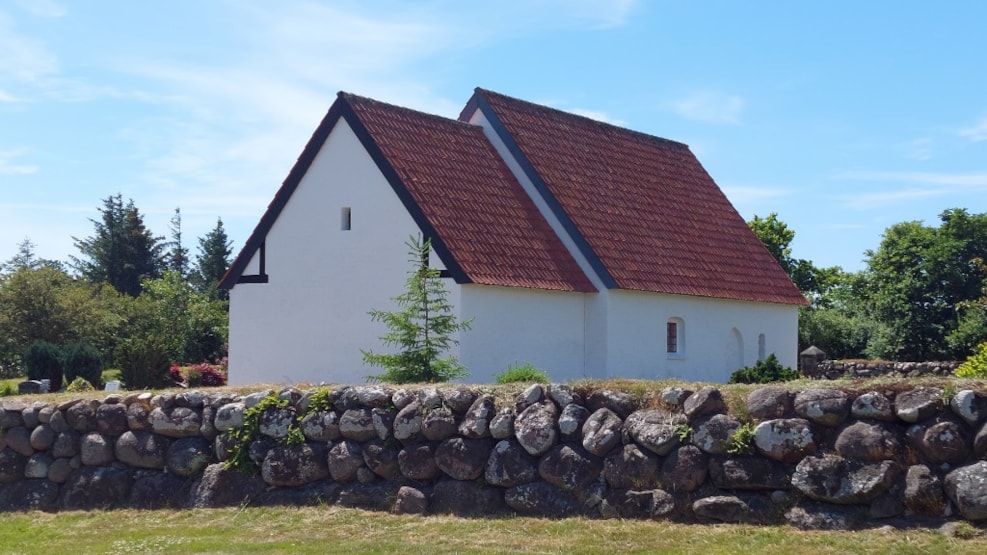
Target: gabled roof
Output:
[(642, 209), (482, 224)]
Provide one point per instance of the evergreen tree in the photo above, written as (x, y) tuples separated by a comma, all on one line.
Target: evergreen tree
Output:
[(212, 262), (122, 251), (26, 258), (422, 329), (177, 259)]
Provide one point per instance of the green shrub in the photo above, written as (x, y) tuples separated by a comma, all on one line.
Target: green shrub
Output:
[(84, 361), (521, 373), (143, 363), (79, 384), (976, 365), (765, 371), (43, 361)]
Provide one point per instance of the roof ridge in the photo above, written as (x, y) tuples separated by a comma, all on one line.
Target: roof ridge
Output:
[(587, 119), (349, 97)]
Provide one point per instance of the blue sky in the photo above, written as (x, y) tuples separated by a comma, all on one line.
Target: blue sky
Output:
[(842, 117)]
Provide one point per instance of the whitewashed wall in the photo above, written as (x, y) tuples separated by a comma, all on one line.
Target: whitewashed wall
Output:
[(310, 321), (637, 339), (515, 325)]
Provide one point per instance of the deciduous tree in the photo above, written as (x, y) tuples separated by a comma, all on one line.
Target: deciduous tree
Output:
[(47, 304), (919, 277)]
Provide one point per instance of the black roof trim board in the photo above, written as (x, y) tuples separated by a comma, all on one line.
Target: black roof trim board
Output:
[(281, 198), (340, 108), (479, 102)]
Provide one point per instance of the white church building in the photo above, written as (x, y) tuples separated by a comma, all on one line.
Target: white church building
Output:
[(583, 248)]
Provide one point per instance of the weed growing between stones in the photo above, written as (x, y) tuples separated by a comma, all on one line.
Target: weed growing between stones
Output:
[(295, 435), (742, 441), (243, 436), (684, 433), (319, 401), (948, 392)]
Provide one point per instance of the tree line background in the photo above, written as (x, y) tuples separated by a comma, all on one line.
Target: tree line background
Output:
[(144, 302), (921, 297), (140, 299)]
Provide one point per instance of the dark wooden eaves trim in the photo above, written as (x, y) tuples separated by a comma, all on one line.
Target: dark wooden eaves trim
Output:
[(479, 102)]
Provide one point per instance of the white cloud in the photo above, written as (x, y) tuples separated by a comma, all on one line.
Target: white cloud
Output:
[(597, 115), (592, 13), (43, 8), (919, 149), (8, 167), (970, 180), (23, 58), (977, 133), (226, 134), (920, 186), (710, 107), (6, 97)]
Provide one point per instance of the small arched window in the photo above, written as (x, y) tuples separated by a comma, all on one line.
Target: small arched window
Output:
[(760, 347), (675, 337)]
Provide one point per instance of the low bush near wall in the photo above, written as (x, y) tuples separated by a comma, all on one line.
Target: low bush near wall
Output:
[(817, 458)]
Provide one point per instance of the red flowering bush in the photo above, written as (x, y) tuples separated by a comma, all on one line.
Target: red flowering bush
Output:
[(201, 374), (175, 374), (213, 376)]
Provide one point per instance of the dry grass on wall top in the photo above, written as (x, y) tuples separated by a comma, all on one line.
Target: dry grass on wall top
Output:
[(646, 392)]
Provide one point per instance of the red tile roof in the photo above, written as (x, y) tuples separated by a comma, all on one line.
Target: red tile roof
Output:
[(477, 208), (651, 218)]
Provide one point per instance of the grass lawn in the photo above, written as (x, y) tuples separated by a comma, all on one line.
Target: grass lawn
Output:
[(338, 530)]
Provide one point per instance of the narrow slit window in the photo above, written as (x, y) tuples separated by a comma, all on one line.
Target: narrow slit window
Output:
[(345, 219), (675, 337)]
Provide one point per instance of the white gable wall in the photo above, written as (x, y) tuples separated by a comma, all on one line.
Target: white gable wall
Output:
[(309, 322), (637, 342)]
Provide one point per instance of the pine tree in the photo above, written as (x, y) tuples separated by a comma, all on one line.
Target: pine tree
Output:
[(422, 329), (212, 262), (177, 259), (26, 258), (122, 252)]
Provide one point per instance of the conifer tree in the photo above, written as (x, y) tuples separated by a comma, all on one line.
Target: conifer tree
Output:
[(26, 258), (422, 329), (177, 252), (122, 252), (212, 261)]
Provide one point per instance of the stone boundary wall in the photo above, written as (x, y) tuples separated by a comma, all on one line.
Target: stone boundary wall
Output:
[(835, 369), (821, 458)]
